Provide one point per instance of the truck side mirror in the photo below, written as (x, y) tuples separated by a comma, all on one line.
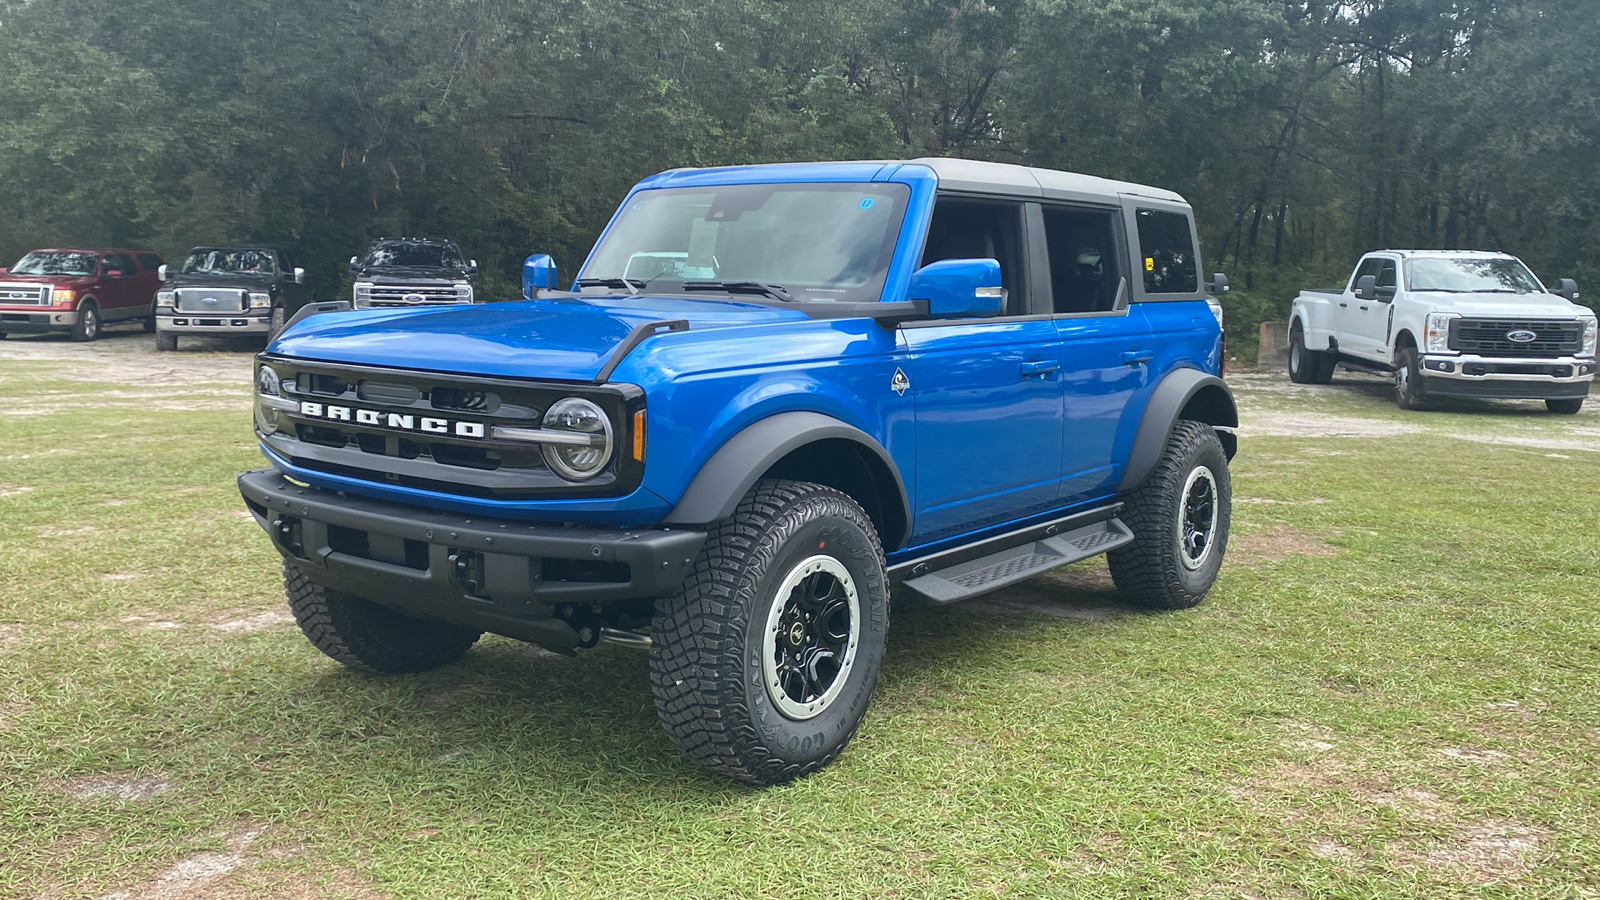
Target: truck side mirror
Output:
[(960, 288), (299, 275), (472, 267), (538, 274), (161, 272), (1366, 287), (355, 268), (1219, 284), (1566, 288)]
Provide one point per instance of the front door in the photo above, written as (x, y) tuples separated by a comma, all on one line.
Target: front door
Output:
[(987, 391)]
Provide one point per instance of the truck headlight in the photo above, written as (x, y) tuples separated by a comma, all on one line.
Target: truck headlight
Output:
[(363, 294), (270, 400), (63, 296), (166, 299), (260, 301), (464, 293), (586, 445), (1437, 336), (1590, 328)]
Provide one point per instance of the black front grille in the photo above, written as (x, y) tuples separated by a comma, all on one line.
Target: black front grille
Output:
[(1489, 337), (436, 432)]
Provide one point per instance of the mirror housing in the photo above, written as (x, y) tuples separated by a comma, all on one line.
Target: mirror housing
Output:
[(1366, 287), (355, 265), (4, 269), (1219, 284), (538, 274), (472, 267), (162, 272), (1566, 287), (299, 275), (960, 288)]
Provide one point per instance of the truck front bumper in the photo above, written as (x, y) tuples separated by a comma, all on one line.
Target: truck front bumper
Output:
[(1506, 378), (190, 323), (496, 575), (33, 321)]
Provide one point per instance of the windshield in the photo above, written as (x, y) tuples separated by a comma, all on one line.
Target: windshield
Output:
[(56, 264), (1471, 276), (399, 253), (249, 262), (817, 241)]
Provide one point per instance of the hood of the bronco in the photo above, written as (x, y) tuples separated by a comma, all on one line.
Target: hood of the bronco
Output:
[(565, 340), (1504, 306)]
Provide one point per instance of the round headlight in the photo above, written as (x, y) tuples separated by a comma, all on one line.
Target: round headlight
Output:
[(586, 453), (266, 386)]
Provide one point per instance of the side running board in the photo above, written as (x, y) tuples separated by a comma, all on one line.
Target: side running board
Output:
[(1013, 564)]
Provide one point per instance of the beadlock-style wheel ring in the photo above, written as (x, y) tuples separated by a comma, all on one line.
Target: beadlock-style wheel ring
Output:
[(1197, 517), (809, 644)]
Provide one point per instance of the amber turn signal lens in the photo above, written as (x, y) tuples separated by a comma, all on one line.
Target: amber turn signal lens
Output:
[(638, 436)]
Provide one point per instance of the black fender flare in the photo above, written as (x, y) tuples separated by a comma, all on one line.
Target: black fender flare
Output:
[(1171, 396), (727, 476)]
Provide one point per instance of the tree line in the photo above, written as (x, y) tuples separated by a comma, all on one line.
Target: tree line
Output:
[(1305, 132)]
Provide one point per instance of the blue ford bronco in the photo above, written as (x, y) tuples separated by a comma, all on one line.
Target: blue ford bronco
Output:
[(772, 395)]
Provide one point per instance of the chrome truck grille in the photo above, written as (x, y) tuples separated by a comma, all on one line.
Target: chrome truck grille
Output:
[(210, 300), (1492, 337), (25, 294), (412, 295)]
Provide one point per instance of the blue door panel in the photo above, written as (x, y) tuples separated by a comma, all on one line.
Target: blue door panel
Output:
[(1105, 384)]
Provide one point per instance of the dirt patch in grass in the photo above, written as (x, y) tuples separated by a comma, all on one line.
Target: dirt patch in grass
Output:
[(1483, 853), (257, 622), (13, 490), (134, 358), (1305, 425), (197, 876), (1588, 440), (1281, 542), (10, 636), (125, 788)]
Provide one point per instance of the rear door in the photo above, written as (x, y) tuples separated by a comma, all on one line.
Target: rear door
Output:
[(121, 297), (987, 392)]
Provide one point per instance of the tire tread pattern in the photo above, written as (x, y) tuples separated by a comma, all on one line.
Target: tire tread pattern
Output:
[(1147, 572), (331, 620)]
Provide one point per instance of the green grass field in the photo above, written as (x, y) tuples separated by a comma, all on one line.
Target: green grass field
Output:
[(1393, 691)]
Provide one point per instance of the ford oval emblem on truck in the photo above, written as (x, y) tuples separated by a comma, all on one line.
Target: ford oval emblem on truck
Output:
[(1521, 336), (413, 298)]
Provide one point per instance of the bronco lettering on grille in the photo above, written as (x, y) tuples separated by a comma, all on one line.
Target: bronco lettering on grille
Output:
[(397, 421)]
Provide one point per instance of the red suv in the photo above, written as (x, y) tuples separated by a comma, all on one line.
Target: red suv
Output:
[(78, 291)]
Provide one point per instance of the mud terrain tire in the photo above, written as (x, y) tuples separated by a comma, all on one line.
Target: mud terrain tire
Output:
[(1179, 517), (367, 636)]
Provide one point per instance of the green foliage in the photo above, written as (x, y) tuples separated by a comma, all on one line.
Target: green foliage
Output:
[(1304, 133)]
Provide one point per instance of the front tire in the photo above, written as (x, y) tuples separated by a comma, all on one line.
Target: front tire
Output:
[(166, 340), (764, 663), (1408, 390), (150, 322), (370, 637), (275, 323), (1567, 406), (1308, 366), (1180, 517), (86, 327)]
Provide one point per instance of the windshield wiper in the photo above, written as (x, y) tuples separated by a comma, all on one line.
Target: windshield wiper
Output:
[(632, 284), (775, 291)]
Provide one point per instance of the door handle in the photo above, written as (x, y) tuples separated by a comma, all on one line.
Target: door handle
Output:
[(1345, 305), (1137, 357), (1363, 307), (1040, 367)]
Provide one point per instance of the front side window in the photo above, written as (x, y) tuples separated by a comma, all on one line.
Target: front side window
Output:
[(1471, 276), (56, 264), (1166, 245), (816, 241), (247, 262)]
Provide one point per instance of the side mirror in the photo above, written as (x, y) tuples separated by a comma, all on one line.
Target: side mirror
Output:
[(299, 275), (4, 270), (960, 288), (1219, 284), (1366, 287), (472, 267), (355, 267), (538, 274), (162, 272), (1566, 288)]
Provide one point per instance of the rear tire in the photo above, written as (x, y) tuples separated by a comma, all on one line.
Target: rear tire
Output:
[(370, 637), (1408, 390), (86, 327), (1566, 407), (166, 340), (1308, 366), (1180, 517), (765, 661)]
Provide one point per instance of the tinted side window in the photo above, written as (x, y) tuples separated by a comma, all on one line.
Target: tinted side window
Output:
[(149, 262), (1386, 273), (124, 262), (1367, 267), (1084, 270), (967, 229), (1166, 244)]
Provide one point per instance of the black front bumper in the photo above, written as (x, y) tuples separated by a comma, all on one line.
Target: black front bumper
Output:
[(14, 322), (496, 575), (1433, 386)]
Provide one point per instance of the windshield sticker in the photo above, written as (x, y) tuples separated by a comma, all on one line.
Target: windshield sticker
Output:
[(866, 202), (702, 243), (1149, 263)]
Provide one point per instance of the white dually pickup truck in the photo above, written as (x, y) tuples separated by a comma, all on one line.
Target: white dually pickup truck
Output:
[(1449, 323)]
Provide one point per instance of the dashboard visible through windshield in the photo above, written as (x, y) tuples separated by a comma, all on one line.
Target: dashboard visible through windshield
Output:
[(812, 241)]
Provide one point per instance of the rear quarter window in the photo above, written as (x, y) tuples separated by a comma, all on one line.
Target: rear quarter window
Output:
[(149, 262), (1166, 248)]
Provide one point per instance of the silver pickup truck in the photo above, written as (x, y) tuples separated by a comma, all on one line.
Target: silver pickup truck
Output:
[(1449, 323)]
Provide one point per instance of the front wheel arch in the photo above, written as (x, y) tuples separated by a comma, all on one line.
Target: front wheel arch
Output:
[(1183, 394)]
